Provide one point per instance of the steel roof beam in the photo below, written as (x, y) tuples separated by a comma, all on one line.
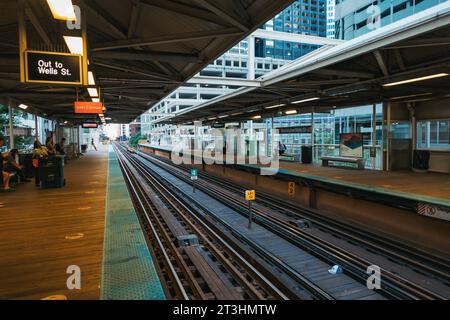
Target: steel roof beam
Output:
[(109, 22), (147, 56), (225, 81), (183, 9), (293, 37), (40, 30), (222, 14), (381, 63), (344, 73), (132, 70), (170, 38), (134, 18)]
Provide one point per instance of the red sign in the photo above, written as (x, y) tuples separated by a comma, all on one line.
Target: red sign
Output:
[(90, 125), (89, 107)]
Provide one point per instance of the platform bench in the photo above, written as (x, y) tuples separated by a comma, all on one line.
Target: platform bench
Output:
[(358, 161), (290, 157)]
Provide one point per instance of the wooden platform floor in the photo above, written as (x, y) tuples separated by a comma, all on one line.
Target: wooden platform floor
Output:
[(43, 232), (428, 184)]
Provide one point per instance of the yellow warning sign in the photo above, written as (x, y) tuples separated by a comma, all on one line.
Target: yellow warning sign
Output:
[(250, 195), (291, 188)]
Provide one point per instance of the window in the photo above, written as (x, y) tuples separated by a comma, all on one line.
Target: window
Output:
[(433, 134)]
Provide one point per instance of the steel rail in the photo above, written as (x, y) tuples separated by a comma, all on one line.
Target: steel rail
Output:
[(399, 287)]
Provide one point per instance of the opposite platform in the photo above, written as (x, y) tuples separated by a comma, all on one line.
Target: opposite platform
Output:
[(430, 188)]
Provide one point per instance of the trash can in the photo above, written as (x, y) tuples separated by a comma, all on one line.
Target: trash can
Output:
[(421, 159), (51, 172), (306, 154), (84, 148)]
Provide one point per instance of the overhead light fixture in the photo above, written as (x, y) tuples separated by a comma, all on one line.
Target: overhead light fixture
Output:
[(93, 92), (23, 106), (291, 112), (65, 122), (91, 79), (96, 100), (256, 117), (107, 118), (276, 106), (213, 118), (101, 115), (411, 96), (305, 100), (75, 44), (225, 116), (62, 10), (237, 114), (433, 76)]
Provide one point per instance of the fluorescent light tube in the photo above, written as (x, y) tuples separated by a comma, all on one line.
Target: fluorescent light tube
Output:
[(75, 44), (62, 9), (276, 106), (305, 100), (433, 76)]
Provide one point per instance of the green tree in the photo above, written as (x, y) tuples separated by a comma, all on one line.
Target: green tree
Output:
[(4, 124), (135, 139)]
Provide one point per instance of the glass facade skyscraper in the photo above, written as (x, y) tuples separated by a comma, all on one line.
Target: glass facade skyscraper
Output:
[(355, 18), (307, 17)]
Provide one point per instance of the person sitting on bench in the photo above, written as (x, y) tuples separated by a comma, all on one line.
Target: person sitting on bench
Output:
[(39, 152), (281, 148), (4, 176), (11, 166), (50, 145), (60, 147)]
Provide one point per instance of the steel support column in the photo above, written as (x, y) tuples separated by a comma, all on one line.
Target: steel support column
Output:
[(251, 58)]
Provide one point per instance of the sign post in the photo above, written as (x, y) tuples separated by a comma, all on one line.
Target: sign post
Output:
[(194, 177), (250, 196)]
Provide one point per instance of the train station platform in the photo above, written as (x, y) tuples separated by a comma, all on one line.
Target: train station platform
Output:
[(90, 223), (429, 187), (411, 207), (433, 188)]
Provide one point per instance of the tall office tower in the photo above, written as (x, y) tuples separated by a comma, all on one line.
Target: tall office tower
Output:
[(307, 17), (355, 18), (331, 19)]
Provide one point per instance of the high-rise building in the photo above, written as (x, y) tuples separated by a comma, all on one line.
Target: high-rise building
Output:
[(307, 17), (355, 18), (331, 19)]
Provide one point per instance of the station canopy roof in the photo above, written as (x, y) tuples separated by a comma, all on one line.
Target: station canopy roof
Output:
[(368, 69), (139, 50)]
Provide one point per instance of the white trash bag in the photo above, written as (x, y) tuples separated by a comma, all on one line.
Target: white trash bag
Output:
[(336, 269)]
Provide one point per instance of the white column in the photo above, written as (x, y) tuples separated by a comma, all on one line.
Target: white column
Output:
[(251, 58), (389, 136), (374, 135), (78, 140), (11, 127), (312, 134), (36, 131)]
